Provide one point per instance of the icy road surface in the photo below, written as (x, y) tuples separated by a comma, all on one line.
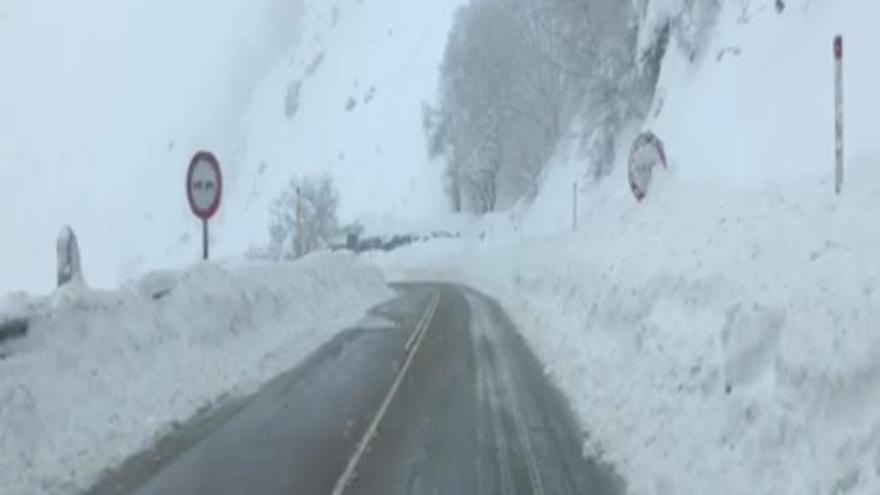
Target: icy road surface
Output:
[(436, 393)]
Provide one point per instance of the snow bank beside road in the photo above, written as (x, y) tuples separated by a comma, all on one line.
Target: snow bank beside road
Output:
[(101, 374), (711, 341), (721, 337)]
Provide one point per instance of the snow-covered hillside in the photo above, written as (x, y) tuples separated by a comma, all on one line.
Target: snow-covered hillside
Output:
[(348, 101), (718, 338), (103, 104), (721, 337), (101, 374), (754, 109)]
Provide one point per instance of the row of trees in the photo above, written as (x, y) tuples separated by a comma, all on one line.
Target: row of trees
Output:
[(515, 75)]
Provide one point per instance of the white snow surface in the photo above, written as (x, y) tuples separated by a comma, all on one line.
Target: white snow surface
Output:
[(722, 336), (364, 71), (102, 105), (718, 338), (102, 374)]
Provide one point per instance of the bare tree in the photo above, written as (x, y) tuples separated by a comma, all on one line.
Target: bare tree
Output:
[(303, 217)]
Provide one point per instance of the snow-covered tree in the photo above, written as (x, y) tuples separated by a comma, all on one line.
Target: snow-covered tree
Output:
[(514, 75), (517, 73), (495, 101), (303, 217)]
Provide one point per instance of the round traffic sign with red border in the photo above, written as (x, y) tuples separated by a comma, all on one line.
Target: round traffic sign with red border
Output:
[(647, 152), (204, 185)]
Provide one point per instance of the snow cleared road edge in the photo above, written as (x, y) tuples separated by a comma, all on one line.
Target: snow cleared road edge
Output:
[(102, 374)]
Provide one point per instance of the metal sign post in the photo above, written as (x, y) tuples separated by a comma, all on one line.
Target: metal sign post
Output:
[(838, 114), (204, 188), (204, 239)]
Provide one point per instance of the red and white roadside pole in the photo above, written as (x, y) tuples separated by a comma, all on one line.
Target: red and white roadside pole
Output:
[(838, 113)]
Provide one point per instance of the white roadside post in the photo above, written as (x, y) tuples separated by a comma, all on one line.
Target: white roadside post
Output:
[(574, 206), (69, 265), (298, 248), (838, 113)]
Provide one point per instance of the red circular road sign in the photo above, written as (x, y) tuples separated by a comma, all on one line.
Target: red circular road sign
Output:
[(647, 151), (204, 185)]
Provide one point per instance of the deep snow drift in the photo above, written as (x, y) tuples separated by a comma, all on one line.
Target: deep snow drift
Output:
[(721, 337), (102, 373)]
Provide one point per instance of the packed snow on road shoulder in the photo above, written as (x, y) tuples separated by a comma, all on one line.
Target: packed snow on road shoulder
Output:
[(101, 374)]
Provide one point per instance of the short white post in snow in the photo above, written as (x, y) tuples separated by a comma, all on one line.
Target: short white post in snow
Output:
[(69, 265), (838, 113), (298, 237), (574, 206)]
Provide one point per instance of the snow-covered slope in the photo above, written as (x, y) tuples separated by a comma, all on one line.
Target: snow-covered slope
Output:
[(102, 105), (721, 336), (758, 109), (101, 374), (348, 101), (754, 109), (718, 338)]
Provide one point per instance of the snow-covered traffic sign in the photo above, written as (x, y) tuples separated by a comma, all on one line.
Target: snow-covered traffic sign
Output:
[(204, 185), (204, 188), (647, 152)]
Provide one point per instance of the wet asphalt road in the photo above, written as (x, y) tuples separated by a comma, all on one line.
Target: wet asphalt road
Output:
[(435, 394)]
